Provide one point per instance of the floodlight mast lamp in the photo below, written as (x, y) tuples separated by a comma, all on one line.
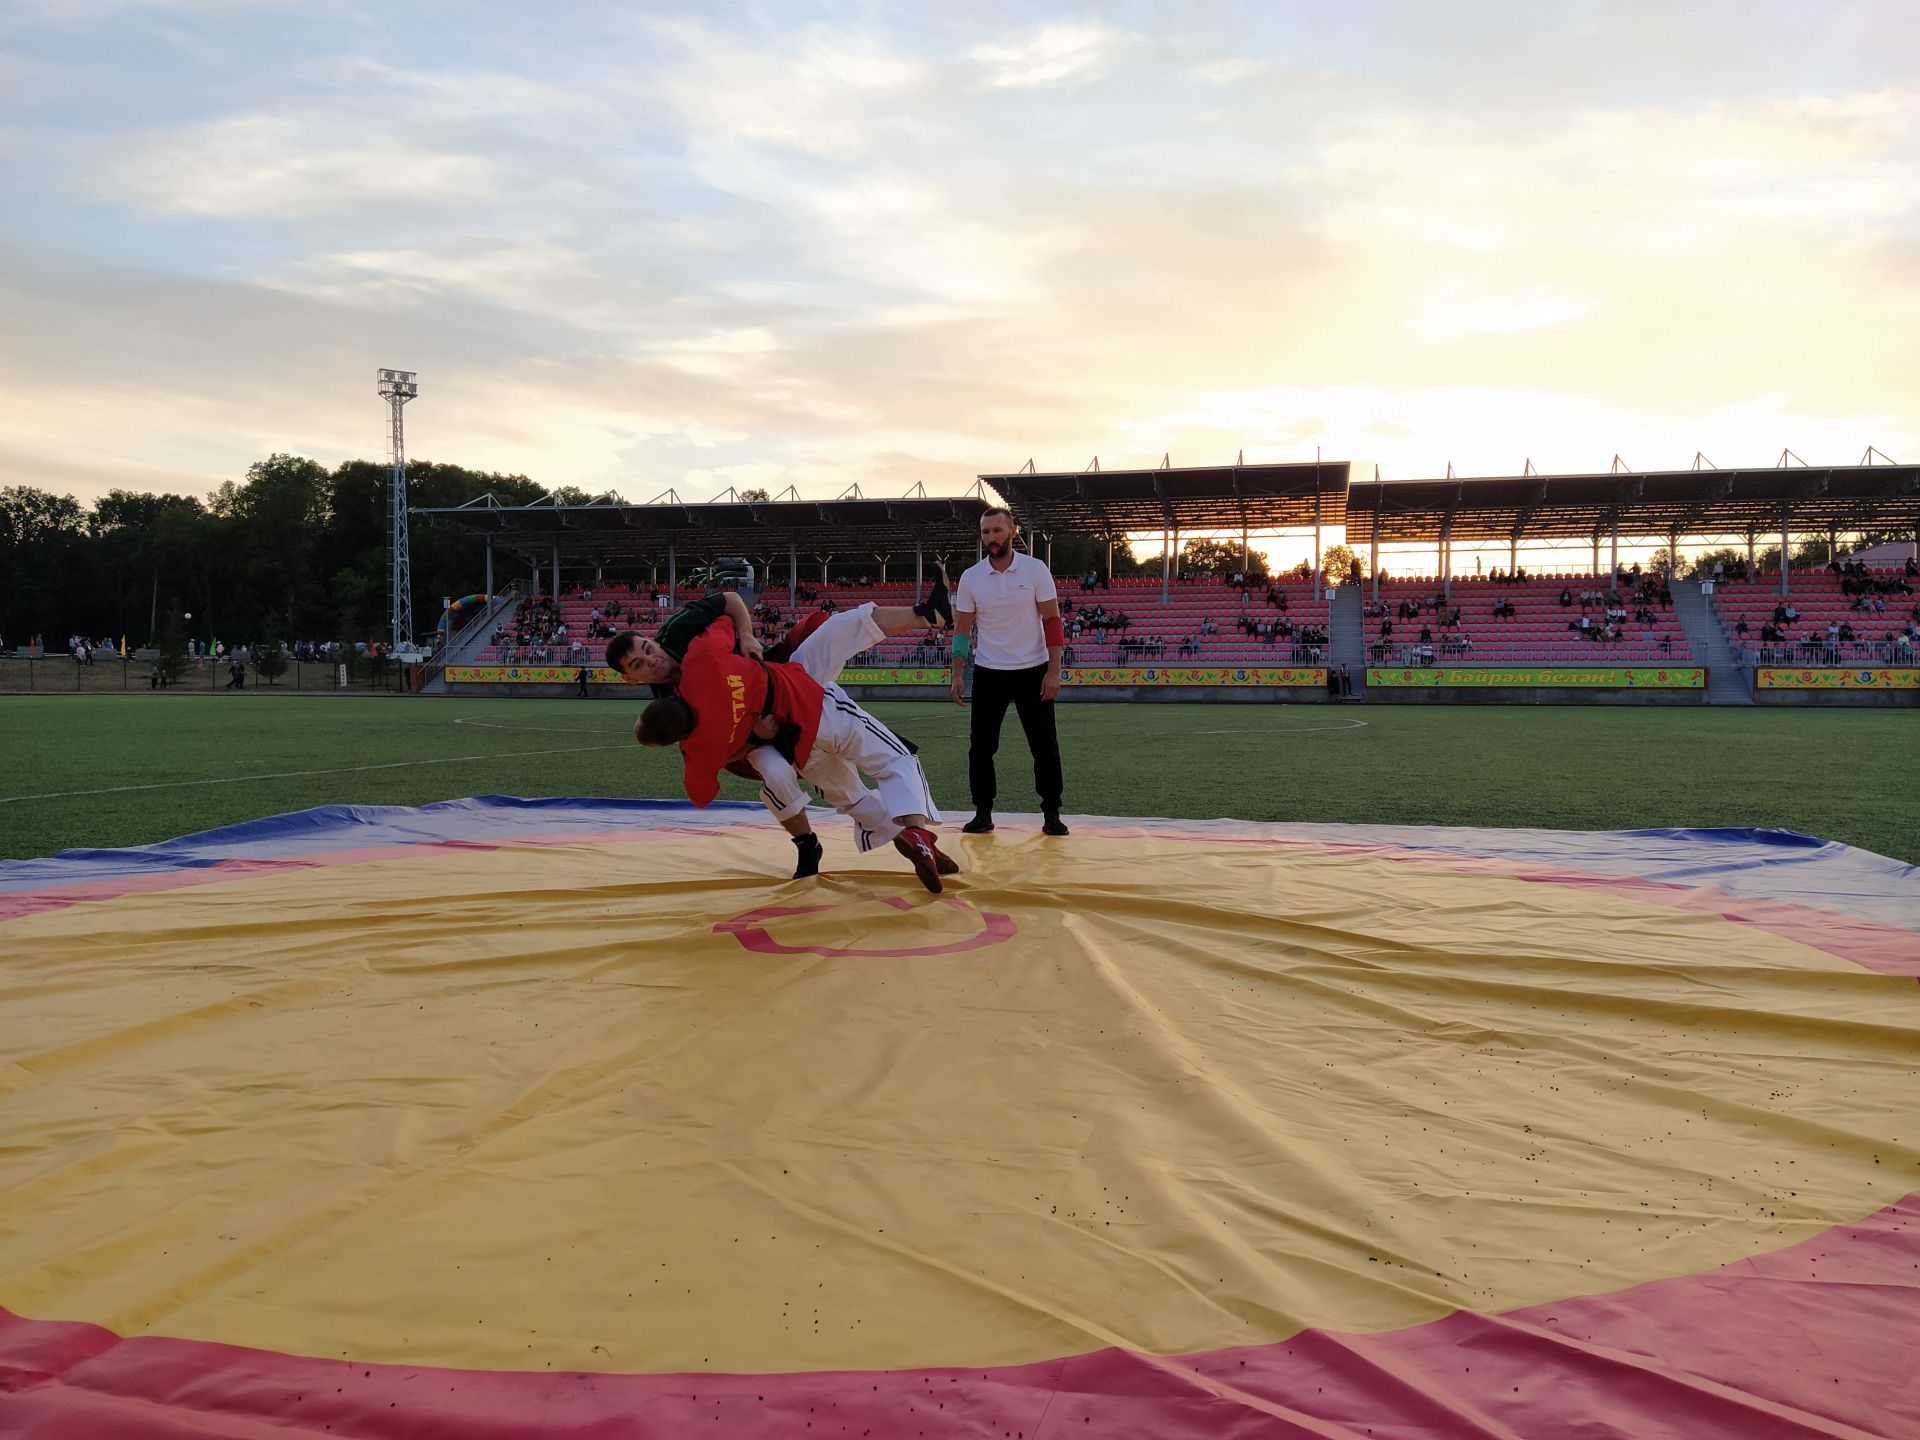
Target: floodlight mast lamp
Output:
[(397, 387)]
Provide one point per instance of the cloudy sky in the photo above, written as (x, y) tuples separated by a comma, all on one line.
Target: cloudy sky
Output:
[(641, 247)]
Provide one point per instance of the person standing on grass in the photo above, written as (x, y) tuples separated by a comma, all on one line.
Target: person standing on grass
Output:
[(1006, 615)]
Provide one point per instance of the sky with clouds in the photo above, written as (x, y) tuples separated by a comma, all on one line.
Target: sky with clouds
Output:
[(647, 247)]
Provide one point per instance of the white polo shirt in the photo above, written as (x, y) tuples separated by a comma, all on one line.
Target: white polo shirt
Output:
[(1003, 603)]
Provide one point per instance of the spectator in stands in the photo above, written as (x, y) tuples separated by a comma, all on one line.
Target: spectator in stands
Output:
[(1566, 596)]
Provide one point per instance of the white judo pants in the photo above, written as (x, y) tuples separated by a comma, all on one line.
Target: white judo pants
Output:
[(849, 741)]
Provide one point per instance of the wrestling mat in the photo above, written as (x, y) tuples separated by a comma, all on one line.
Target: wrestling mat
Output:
[(508, 1118)]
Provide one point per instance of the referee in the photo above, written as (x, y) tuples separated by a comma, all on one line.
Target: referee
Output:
[(1006, 616)]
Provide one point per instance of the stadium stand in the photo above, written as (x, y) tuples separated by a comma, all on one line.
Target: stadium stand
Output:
[(1414, 623), (1865, 617), (1202, 622)]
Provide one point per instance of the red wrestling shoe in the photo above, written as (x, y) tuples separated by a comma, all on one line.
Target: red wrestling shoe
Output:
[(917, 845), (942, 861)]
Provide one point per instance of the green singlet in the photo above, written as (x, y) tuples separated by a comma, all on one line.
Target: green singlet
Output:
[(685, 624)]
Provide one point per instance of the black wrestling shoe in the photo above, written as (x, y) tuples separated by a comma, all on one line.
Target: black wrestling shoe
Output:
[(937, 608), (981, 823), (1052, 824), (810, 850)]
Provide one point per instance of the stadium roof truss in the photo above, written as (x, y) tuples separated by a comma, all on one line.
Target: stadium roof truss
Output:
[(1111, 504), (609, 531), (1257, 498), (1808, 499)]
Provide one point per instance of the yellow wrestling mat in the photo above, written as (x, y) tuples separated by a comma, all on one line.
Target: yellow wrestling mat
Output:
[(625, 1102)]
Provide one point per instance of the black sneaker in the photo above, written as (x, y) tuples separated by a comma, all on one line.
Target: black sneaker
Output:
[(981, 823), (1052, 824), (810, 850)]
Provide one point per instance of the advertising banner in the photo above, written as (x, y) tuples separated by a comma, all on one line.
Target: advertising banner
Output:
[(1882, 678), (930, 675), (1581, 677)]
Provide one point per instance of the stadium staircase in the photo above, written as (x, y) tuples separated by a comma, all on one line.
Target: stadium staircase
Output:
[(1347, 637), (1727, 682), (469, 644)]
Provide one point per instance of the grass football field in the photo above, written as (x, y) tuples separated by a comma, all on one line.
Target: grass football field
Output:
[(113, 770)]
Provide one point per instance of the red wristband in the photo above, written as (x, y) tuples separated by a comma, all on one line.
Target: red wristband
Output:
[(1056, 632)]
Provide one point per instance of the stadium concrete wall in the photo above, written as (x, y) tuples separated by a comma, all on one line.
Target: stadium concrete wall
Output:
[(1538, 685), (1877, 687), (1530, 695), (1107, 684)]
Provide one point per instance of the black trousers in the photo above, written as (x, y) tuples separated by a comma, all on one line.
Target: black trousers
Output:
[(993, 691)]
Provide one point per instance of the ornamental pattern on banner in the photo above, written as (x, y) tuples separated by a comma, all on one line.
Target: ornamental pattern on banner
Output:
[(868, 675), (1564, 677), (1880, 678)]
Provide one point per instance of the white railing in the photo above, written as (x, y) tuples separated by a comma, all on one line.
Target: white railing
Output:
[(474, 625), (1820, 655)]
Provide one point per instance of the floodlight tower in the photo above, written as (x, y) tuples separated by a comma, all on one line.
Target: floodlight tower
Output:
[(397, 387)]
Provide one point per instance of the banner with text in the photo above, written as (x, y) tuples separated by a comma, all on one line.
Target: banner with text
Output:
[(1217, 675), (530, 675), (1559, 677)]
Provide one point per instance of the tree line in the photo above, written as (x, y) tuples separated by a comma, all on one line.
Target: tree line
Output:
[(294, 551)]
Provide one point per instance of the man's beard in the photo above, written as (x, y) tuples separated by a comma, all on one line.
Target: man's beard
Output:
[(996, 547)]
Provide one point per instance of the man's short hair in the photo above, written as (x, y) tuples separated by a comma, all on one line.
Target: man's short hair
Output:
[(666, 721), (1000, 510), (621, 646)]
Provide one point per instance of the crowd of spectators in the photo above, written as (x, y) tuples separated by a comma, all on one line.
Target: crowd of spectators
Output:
[(1093, 619), (538, 635), (1609, 624), (1871, 593)]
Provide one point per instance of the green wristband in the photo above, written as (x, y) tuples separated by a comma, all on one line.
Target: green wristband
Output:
[(962, 646)]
